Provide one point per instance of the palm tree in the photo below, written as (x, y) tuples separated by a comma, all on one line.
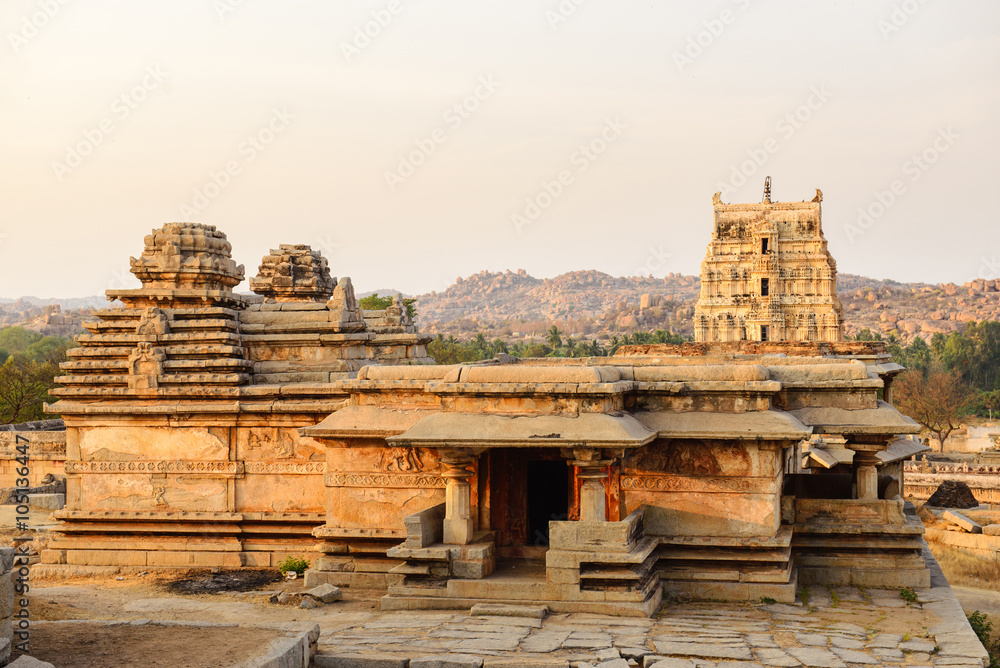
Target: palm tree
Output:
[(554, 338), (570, 346)]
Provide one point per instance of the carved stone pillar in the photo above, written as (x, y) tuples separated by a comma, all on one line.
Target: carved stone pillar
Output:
[(866, 477), (458, 522), (593, 474)]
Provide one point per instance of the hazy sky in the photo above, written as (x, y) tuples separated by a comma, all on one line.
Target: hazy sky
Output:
[(464, 135)]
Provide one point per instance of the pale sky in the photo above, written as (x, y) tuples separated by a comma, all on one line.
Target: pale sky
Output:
[(419, 153)]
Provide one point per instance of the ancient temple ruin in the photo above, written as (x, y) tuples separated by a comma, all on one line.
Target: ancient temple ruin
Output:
[(209, 428), (767, 275)]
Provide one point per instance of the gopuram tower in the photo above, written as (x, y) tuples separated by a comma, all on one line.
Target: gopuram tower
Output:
[(767, 275)]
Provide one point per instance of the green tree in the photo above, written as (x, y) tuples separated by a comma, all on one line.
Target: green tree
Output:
[(554, 338), (375, 303), (24, 387), (991, 401)]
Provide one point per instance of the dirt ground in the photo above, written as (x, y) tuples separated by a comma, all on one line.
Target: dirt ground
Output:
[(156, 596), (91, 646)]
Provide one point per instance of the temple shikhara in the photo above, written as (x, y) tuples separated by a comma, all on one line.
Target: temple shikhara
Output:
[(205, 427), (768, 275)]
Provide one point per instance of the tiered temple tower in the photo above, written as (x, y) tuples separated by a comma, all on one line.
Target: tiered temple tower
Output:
[(768, 275)]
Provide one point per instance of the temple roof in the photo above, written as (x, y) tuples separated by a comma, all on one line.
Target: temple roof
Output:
[(757, 425), (482, 430)]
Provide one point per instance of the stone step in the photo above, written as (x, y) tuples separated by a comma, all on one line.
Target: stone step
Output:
[(410, 568)]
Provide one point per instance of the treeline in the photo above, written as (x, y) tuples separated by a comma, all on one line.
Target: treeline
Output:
[(28, 364), (950, 378), (449, 350)]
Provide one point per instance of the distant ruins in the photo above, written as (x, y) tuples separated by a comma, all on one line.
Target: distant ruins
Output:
[(206, 428), (768, 275)]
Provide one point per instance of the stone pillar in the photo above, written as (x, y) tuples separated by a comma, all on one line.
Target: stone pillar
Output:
[(593, 507), (866, 449), (866, 475), (887, 389), (458, 522)]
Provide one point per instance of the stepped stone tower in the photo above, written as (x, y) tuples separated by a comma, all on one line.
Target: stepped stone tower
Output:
[(767, 275)]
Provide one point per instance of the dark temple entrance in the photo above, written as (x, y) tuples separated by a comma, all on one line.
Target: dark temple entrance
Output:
[(527, 488), (548, 498)]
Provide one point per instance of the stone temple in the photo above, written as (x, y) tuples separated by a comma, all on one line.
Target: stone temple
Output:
[(768, 275), (209, 428)]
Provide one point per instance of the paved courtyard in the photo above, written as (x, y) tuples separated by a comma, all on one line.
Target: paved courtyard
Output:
[(846, 626)]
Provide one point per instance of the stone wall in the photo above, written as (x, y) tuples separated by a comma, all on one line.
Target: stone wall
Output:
[(922, 479), (46, 455)]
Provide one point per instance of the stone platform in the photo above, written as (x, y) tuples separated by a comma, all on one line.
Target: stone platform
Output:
[(826, 627)]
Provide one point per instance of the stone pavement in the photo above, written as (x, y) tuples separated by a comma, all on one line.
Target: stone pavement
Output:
[(839, 627)]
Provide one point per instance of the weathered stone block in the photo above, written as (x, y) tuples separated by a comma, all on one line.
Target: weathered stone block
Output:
[(326, 593), (503, 610), (360, 661), (47, 501), (447, 661), (962, 521)]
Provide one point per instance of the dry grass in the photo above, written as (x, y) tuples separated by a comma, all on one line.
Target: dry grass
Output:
[(967, 570)]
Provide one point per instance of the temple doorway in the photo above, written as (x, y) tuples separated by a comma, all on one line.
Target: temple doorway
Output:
[(548, 498), (527, 488)]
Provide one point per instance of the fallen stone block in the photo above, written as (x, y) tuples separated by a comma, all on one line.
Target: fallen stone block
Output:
[(962, 521), (309, 603), (359, 661), (447, 661), (326, 593), (992, 529), (501, 610), (523, 662), (47, 501)]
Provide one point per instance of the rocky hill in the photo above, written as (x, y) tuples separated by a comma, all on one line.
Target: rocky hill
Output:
[(46, 317), (596, 305), (593, 304)]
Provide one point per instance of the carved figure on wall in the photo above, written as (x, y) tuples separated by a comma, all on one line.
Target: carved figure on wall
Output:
[(153, 322), (682, 458), (400, 459)]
